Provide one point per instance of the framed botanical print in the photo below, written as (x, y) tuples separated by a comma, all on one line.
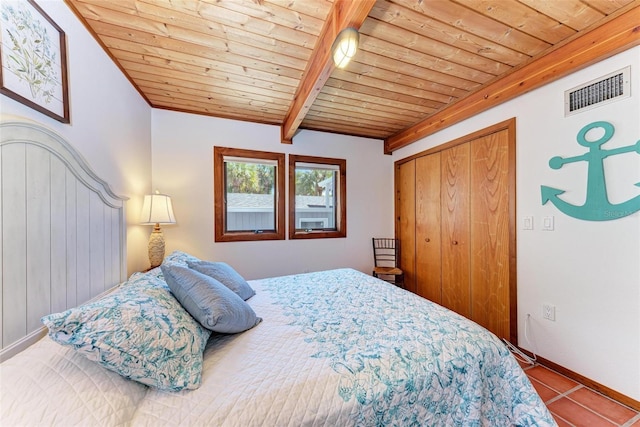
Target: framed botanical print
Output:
[(33, 58)]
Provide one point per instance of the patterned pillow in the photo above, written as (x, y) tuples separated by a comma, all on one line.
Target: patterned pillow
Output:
[(214, 305), (179, 258), (139, 331), (226, 275)]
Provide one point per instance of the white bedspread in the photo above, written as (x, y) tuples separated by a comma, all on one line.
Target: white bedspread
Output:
[(265, 376), (335, 348), (48, 384), (340, 348)]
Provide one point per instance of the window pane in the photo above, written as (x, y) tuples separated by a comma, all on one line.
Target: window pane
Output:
[(248, 191), (315, 197), (250, 196)]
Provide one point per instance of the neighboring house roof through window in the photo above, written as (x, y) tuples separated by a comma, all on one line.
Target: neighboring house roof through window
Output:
[(252, 202)]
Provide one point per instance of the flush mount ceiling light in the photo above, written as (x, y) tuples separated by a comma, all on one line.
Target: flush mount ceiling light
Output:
[(345, 47)]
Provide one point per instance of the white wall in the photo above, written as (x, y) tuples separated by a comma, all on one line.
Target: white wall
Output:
[(183, 168), (110, 123), (589, 270)]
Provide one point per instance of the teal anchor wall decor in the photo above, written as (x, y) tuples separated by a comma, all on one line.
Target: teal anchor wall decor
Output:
[(596, 206)]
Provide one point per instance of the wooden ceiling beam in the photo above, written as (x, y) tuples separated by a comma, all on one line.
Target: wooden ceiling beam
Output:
[(343, 14), (616, 35)]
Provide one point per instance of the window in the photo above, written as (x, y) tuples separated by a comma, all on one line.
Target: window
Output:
[(248, 195), (317, 197)]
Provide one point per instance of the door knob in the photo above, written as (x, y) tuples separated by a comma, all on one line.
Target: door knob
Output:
[(455, 242), (426, 239)]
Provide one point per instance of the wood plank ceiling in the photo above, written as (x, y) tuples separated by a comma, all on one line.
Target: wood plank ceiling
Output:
[(421, 64)]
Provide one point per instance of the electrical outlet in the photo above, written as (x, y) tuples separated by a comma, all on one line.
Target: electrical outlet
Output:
[(549, 312)]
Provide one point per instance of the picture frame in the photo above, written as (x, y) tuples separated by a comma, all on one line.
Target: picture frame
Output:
[(33, 59)]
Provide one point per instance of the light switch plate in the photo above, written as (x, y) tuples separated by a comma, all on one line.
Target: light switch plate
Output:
[(527, 223), (547, 223)]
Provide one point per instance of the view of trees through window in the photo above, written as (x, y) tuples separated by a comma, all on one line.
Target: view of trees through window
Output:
[(250, 195), (308, 181), (254, 178), (317, 197), (250, 178)]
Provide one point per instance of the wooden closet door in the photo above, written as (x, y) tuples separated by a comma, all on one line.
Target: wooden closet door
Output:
[(456, 293), (490, 293), (428, 253), (406, 221)]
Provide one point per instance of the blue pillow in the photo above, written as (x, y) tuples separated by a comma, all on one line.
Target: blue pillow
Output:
[(226, 275), (211, 303), (139, 331)]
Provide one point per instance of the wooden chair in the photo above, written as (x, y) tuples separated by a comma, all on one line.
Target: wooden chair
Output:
[(385, 260)]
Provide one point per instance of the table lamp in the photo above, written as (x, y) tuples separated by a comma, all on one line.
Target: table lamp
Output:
[(156, 210)]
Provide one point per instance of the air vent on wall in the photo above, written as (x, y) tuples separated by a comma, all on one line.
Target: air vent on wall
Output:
[(612, 87)]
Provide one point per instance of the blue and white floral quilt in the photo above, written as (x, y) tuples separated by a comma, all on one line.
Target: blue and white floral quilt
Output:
[(340, 348)]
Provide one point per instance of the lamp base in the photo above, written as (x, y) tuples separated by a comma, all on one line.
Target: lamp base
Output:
[(156, 246)]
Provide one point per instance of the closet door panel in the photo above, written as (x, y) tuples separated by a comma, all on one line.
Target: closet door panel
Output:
[(428, 253), (490, 233), (456, 294), (406, 221)]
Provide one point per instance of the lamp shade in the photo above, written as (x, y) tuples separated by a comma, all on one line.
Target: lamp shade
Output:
[(157, 209), (345, 46)]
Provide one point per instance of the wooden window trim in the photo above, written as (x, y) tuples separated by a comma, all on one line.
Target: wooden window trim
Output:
[(341, 217), (221, 235)]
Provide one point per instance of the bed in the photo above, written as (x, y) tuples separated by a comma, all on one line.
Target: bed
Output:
[(331, 348)]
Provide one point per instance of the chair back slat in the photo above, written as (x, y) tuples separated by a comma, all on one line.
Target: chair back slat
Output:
[(385, 259), (385, 252)]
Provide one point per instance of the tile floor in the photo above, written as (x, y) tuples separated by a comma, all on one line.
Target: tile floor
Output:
[(573, 404)]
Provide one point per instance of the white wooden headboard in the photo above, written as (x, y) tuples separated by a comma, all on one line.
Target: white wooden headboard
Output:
[(62, 232)]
